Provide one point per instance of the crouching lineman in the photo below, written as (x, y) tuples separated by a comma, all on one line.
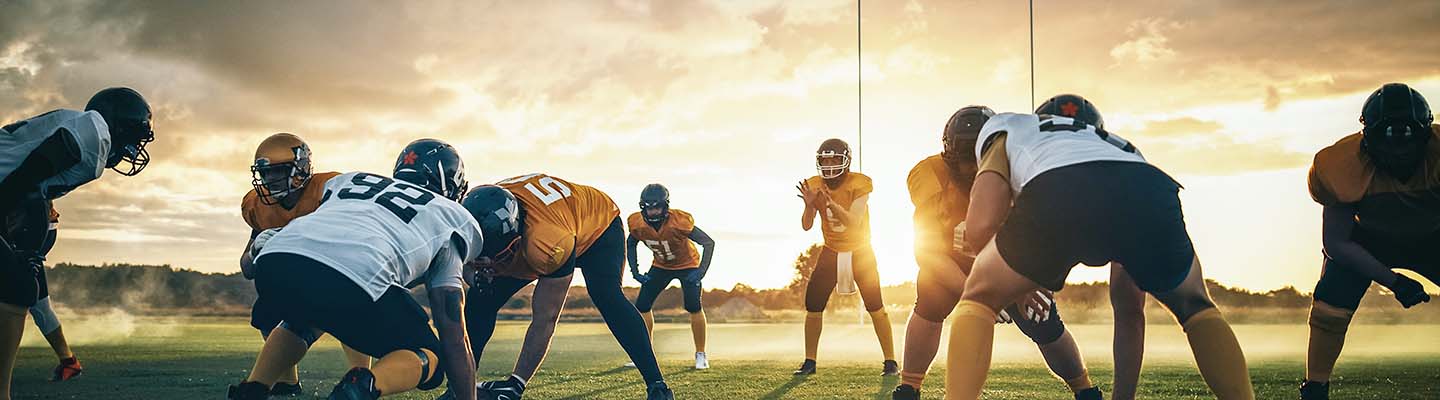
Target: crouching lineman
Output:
[(42, 159), (940, 189), (1080, 195), (345, 269), (671, 235), (841, 198), (285, 188), (541, 226), (1381, 192)]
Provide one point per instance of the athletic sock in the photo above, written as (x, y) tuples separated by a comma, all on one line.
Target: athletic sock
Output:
[(814, 321), (883, 331), (913, 379), (1218, 355), (922, 341), (1079, 383), (1328, 325), (697, 330), (972, 337)]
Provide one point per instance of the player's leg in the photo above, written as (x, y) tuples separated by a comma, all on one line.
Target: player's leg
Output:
[(937, 290), (1128, 303), (1058, 348), (692, 291), (18, 291), (993, 284), (867, 278), (49, 324), (603, 266), (1337, 296), (355, 358), (12, 326), (482, 306), (1217, 351), (407, 350), (649, 290), (817, 296)]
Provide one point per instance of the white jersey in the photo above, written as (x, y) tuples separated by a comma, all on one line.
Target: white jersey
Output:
[(1036, 144), (19, 139), (380, 232)]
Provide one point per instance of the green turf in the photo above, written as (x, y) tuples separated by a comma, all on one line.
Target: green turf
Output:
[(195, 358)]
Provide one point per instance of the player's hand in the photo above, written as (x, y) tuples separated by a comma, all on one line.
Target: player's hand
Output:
[(639, 277), (481, 276), (1408, 292), (1003, 317), (1036, 306), (261, 239)]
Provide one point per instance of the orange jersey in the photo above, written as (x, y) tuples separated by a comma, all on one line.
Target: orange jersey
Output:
[(261, 216), (838, 236), (940, 204), (671, 245), (562, 220), (1343, 174)]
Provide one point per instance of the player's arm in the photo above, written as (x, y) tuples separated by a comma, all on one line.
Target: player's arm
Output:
[(807, 219), (850, 216), (545, 307), (447, 304), (1337, 225), (989, 206), (707, 250), (57, 153), (247, 259), (1128, 302), (631, 244)]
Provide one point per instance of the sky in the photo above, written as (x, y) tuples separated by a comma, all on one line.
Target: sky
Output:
[(724, 102)]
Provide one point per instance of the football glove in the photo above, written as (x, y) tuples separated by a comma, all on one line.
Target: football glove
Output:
[(261, 239), (1408, 292)]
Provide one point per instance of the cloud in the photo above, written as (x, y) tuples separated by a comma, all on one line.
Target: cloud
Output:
[(1148, 44)]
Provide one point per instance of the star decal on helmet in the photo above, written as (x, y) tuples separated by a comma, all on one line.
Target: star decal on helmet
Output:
[(410, 158), (1069, 109)]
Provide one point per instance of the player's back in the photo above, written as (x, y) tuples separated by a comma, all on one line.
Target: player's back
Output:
[(378, 231)]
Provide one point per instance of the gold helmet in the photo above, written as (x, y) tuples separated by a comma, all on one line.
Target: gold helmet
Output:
[(281, 168)]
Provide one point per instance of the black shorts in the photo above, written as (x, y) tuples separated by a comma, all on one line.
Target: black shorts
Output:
[(23, 233), (306, 293), (660, 279), (1095, 213), (1341, 286)]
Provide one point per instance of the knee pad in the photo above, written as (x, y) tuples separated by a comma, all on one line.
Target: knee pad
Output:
[(310, 336), (427, 380), (1044, 332), (44, 316), (1330, 319)]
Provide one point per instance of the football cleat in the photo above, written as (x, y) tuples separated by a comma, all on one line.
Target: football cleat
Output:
[(905, 392), (890, 368), (1311, 390), (248, 391), (1092, 393), (806, 368), (68, 369), (286, 389), (508, 389), (701, 362), (358, 384), (659, 391)]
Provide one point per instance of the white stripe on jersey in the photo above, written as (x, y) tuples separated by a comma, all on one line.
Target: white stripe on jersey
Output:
[(89, 131), (1035, 145), (380, 232)]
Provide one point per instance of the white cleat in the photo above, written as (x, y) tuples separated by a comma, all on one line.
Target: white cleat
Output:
[(701, 362), (630, 364)]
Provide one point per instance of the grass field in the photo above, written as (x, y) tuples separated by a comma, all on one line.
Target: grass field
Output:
[(192, 358)]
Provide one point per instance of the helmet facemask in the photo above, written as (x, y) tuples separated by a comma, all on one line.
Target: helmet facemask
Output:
[(832, 164), (128, 146), (1397, 130), (277, 183)]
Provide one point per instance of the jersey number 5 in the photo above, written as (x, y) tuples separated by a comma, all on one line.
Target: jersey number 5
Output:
[(549, 190)]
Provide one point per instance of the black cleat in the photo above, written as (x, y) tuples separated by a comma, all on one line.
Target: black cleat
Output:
[(284, 389), (891, 368), (1311, 390), (248, 391), (806, 368), (659, 391), (508, 389), (68, 369), (1092, 393), (358, 384), (905, 392)]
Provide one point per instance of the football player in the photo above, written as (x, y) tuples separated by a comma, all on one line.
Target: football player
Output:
[(1380, 189), (341, 270), (840, 197), (1079, 195), (42, 159), (285, 188), (46, 320), (940, 190), (671, 235), (538, 226)]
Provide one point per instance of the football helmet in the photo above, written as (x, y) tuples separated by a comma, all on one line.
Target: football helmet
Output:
[(498, 212), (127, 116), (1397, 129), (435, 165), (1072, 106), (281, 168), (825, 158), (652, 197), (961, 132)]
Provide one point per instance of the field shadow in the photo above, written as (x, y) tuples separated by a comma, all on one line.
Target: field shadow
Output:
[(887, 385), (780, 392)]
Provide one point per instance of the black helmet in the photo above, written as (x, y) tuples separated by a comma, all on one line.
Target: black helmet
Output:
[(128, 117), (1397, 129), (498, 213), (655, 196), (435, 165), (960, 134), (1073, 106)]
